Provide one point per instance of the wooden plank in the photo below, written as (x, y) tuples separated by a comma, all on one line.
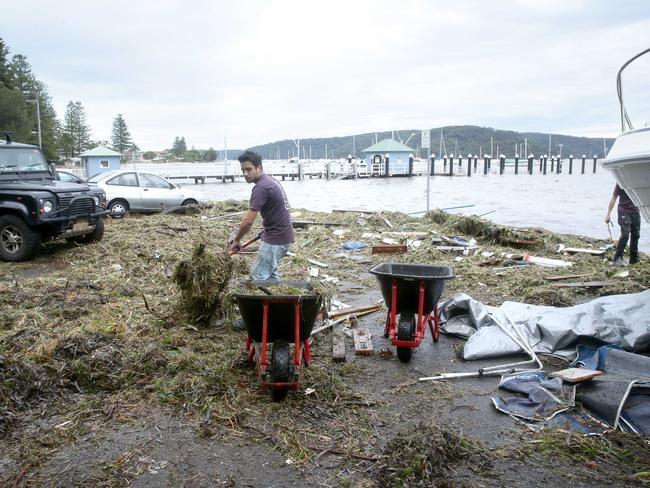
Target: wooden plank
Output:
[(564, 277), (317, 263), (388, 248), (340, 210), (407, 235), (575, 375), (338, 347), (359, 310), (584, 284), (362, 342), (574, 250), (301, 224)]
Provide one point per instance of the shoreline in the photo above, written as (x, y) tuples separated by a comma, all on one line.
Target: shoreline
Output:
[(106, 380)]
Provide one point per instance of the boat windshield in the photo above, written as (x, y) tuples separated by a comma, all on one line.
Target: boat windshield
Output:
[(24, 160)]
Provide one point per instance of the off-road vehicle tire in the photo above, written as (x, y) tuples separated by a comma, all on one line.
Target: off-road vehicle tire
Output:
[(13, 229)]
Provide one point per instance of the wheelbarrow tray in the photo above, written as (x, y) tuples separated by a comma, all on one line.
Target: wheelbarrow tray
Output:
[(281, 312), (407, 278)]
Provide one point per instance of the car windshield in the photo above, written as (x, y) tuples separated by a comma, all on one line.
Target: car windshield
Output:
[(22, 159), (99, 177)]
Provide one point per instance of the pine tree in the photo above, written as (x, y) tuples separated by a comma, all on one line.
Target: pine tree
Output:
[(75, 133), (179, 148), (121, 137)]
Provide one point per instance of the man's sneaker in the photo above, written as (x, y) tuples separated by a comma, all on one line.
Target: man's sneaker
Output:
[(239, 324), (619, 262)]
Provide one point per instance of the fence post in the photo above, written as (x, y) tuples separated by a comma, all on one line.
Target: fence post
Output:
[(485, 164), (552, 164), (433, 165), (469, 165), (387, 166), (558, 162), (545, 162), (451, 165), (583, 163), (595, 160), (410, 165), (530, 164), (475, 162), (502, 163)]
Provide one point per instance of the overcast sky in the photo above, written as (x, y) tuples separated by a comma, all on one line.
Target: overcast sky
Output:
[(261, 71)]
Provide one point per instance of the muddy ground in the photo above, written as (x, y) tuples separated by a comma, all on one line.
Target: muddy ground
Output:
[(108, 381)]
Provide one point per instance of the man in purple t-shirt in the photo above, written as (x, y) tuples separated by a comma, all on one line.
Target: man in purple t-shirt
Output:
[(630, 221), (267, 198)]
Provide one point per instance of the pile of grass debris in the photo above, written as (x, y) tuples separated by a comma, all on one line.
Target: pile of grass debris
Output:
[(427, 456), (203, 280)]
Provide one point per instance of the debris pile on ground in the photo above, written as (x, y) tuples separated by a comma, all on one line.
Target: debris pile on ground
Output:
[(428, 456), (203, 280), (91, 336)]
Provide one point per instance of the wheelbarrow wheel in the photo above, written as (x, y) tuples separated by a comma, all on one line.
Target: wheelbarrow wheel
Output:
[(405, 332), (280, 359)]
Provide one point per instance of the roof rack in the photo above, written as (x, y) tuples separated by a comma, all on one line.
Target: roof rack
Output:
[(7, 134)]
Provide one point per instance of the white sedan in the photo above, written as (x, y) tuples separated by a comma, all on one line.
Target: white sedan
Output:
[(129, 190)]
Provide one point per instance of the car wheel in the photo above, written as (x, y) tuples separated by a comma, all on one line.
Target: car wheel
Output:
[(18, 241), (118, 208), (94, 236), (189, 201)]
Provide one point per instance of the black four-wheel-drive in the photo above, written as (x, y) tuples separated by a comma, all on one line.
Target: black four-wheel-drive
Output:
[(35, 206)]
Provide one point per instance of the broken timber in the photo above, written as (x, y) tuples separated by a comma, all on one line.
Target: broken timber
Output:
[(362, 342), (584, 284), (338, 347), (301, 224), (358, 311), (387, 248), (575, 375), (564, 277)]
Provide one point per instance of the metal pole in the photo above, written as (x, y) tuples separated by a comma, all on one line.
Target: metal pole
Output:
[(38, 118), (430, 170)]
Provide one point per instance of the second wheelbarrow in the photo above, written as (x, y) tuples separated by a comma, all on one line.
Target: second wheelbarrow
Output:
[(279, 320), (411, 291)]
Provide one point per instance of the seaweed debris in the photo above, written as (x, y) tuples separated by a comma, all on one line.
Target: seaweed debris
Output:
[(428, 455), (203, 280)]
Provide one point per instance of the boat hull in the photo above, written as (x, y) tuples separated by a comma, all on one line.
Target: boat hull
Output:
[(629, 162)]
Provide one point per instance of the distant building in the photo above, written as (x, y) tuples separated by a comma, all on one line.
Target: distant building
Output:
[(398, 157), (100, 160)]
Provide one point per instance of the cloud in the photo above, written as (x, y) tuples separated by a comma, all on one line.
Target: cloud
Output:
[(260, 71)]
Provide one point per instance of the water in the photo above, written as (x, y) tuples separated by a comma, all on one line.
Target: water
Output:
[(573, 204)]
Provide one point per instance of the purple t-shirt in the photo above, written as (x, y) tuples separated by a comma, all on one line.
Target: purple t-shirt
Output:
[(625, 204), (269, 199)]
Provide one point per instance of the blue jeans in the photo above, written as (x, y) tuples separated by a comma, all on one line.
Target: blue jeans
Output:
[(265, 266)]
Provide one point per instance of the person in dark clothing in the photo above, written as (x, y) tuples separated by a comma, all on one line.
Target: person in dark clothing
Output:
[(630, 221), (269, 199)]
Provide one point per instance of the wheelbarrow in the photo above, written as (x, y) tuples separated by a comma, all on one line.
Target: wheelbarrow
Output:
[(411, 291), (285, 322)]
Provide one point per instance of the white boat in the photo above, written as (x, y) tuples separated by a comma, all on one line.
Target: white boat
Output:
[(629, 157)]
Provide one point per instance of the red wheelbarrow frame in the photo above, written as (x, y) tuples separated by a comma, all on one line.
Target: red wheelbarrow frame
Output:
[(390, 330), (261, 366)]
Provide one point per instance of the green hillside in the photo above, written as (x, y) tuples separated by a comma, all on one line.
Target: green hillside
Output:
[(459, 139)]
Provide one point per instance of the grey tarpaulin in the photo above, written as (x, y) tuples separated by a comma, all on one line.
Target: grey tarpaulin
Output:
[(545, 397), (623, 320), (622, 395)]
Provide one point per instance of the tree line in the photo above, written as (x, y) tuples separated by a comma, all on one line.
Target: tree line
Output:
[(25, 104)]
